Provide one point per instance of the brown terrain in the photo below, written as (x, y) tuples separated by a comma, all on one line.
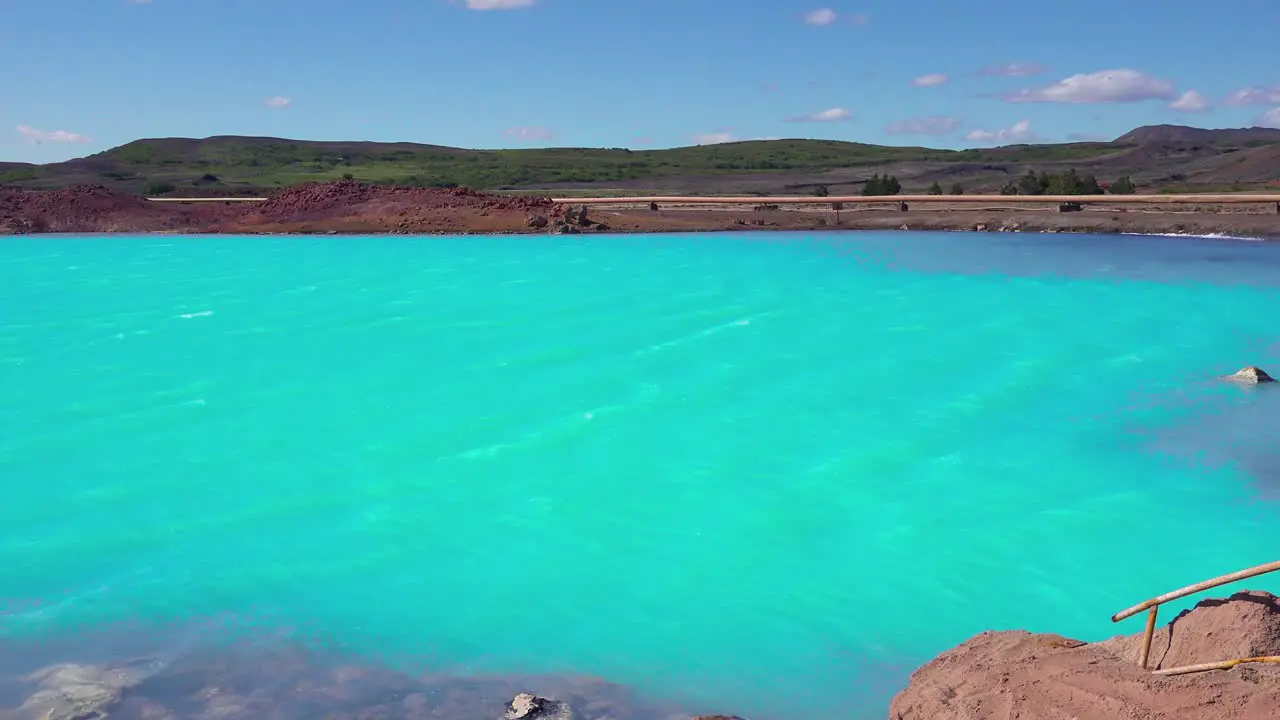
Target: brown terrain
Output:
[(1007, 675), (351, 207), (342, 206)]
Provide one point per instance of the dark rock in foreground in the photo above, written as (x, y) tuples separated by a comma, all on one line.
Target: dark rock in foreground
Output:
[(526, 706)]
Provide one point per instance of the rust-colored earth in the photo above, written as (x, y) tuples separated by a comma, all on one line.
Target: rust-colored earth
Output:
[(350, 207), (1007, 675)]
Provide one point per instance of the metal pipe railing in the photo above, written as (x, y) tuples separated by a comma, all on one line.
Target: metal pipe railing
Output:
[(1153, 605)]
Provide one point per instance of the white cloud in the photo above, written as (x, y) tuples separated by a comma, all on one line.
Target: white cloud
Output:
[(1271, 119), (1104, 86), (499, 4), (933, 80), (1019, 132), (55, 136), (1256, 96), (1190, 101), (1014, 69), (714, 138), (278, 102), (820, 17), (931, 125), (529, 133), (831, 115)]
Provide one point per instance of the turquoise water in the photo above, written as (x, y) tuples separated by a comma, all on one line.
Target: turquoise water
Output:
[(756, 473)]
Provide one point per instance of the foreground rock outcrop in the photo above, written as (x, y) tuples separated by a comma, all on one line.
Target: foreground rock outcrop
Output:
[(1006, 675), (527, 706)]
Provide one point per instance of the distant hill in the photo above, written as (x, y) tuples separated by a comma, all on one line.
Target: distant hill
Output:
[(1166, 157), (1183, 133)]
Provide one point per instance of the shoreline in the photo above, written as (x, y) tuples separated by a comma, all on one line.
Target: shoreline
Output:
[(710, 231), (204, 676), (252, 676), (956, 228), (351, 208)]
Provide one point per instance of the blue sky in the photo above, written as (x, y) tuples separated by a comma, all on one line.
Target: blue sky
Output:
[(85, 75)]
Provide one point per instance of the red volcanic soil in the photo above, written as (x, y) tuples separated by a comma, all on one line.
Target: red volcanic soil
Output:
[(90, 209), (1007, 675), (350, 206), (344, 206)]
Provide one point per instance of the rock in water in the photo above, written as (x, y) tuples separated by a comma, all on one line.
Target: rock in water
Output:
[(1251, 375), (82, 692), (531, 707)]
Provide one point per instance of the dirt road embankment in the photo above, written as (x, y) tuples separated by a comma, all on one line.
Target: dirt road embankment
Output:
[(348, 207)]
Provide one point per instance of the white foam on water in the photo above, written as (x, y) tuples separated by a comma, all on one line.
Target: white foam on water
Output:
[(1206, 236)]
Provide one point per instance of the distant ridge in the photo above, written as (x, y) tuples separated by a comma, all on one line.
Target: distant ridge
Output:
[(1166, 158), (1184, 133)]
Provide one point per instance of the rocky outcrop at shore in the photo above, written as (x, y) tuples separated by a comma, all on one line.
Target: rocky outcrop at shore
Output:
[(343, 206), (251, 683), (1003, 675), (351, 207), (526, 706), (91, 209), (993, 676)]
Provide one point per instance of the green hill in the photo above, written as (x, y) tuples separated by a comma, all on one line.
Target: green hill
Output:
[(240, 165)]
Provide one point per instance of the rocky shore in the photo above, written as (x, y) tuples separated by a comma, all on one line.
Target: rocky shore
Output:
[(349, 207), (289, 683), (993, 676)]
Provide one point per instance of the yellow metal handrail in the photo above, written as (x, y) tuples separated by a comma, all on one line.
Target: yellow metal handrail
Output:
[(1154, 606)]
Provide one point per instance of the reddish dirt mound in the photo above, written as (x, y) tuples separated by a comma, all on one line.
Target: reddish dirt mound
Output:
[(90, 209), (1245, 625), (344, 206), (381, 208), (1005, 675)]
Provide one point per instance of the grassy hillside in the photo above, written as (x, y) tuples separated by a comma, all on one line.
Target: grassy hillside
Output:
[(237, 165), (274, 162)]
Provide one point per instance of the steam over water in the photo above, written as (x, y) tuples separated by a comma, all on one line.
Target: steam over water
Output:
[(762, 474)]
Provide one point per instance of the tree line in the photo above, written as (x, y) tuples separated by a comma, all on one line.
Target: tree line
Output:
[(1067, 182)]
